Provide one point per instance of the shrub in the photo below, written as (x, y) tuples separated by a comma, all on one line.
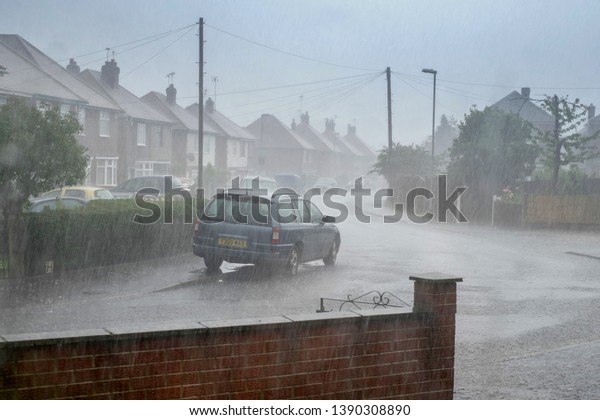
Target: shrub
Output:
[(100, 234)]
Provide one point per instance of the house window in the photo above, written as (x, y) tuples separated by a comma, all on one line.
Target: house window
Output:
[(307, 156), (243, 149), (88, 172), (81, 120), (144, 168), (106, 171), (159, 136), (104, 124), (149, 168), (141, 134), (206, 144)]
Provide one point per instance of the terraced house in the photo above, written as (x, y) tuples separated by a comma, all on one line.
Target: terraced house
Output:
[(30, 74)]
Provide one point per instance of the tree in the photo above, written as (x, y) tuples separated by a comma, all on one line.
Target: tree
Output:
[(402, 161), (403, 167), (564, 145), (38, 152), (493, 149), (445, 133)]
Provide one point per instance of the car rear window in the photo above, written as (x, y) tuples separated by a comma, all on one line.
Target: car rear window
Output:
[(238, 209)]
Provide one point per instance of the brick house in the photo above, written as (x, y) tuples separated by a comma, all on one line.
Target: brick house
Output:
[(32, 75), (234, 144), (522, 105), (184, 133), (279, 150), (143, 134), (324, 148)]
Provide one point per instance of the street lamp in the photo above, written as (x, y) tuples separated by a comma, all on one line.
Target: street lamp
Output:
[(434, 72)]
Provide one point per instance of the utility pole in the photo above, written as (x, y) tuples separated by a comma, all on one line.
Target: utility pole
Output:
[(200, 101), (389, 107)]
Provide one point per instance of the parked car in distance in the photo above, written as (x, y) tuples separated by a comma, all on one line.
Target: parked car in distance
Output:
[(325, 183), (264, 183), (56, 203), (240, 226), (132, 187), (77, 191), (292, 181)]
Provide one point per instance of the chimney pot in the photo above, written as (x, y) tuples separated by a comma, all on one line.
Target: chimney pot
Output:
[(73, 67), (171, 95), (210, 105), (330, 125), (110, 73)]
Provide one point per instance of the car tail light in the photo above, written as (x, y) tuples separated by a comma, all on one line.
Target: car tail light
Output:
[(196, 226), (275, 235)]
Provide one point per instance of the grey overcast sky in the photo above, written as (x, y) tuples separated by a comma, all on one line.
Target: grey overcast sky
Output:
[(328, 57)]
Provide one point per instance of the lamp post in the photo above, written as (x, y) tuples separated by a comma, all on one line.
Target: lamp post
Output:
[(434, 72)]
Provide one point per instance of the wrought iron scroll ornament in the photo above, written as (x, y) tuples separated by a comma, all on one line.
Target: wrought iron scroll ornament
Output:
[(370, 300)]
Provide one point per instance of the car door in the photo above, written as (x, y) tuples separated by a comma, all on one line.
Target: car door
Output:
[(324, 233), (310, 230)]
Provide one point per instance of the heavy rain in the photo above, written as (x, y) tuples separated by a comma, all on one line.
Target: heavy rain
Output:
[(432, 137)]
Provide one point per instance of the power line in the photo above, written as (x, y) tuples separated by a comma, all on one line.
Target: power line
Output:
[(159, 52), (304, 93), (286, 52), (294, 85), (338, 90)]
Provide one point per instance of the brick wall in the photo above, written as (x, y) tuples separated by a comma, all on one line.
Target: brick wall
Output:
[(373, 354)]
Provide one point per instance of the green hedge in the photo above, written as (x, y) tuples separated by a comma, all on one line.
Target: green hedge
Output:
[(102, 233)]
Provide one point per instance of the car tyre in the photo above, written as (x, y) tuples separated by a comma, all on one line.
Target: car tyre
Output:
[(293, 262), (332, 256), (213, 264)]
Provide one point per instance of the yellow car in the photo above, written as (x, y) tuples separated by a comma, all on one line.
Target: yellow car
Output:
[(87, 193)]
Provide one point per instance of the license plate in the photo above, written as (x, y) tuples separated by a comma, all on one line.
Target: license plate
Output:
[(232, 242)]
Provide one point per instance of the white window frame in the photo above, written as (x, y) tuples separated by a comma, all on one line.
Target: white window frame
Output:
[(144, 168), (108, 166), (81, 120), (104, 126), (141, 134)]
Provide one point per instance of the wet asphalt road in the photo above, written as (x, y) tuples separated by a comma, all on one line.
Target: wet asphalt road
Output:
[(528, 322)]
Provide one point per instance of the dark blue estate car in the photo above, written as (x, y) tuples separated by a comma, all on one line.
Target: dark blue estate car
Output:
[(242, 227)]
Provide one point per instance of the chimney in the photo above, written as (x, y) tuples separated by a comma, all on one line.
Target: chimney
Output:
[(110, 73), (171, 95), (330, 125), (591, 111), (210, 105), (73, 67), (351, 130), (525, 92), (304, 118)]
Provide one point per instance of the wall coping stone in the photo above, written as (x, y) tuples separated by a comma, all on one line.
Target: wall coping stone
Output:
[(155, 327), (233, 323), (183, 327), (317, 316), (383, 311), (53, 336), (436, 277)]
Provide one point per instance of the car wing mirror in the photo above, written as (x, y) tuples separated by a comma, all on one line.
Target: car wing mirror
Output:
[(328, 219)]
